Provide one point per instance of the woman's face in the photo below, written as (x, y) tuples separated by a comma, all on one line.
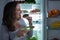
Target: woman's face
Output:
[(18, 12)]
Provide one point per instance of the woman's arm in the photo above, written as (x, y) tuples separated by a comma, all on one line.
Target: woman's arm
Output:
[(30, 33)]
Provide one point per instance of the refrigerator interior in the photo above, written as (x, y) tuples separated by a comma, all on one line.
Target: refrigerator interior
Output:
[(37, 18), (53, 32)]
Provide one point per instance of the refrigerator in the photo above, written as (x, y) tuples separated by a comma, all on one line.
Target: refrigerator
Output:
[(53, 21), (37, 12)]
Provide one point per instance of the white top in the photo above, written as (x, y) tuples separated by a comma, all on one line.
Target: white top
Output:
[(5, 34)]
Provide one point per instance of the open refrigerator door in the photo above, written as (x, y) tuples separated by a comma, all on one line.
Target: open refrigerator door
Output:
[(36, 12)]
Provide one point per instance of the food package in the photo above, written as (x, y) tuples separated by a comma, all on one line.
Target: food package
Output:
[(54, 13)]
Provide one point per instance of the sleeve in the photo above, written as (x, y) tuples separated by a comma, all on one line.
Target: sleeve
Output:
[(4, 35), (30, 33)]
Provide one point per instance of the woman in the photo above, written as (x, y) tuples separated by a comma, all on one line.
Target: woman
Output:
[(10, 26)]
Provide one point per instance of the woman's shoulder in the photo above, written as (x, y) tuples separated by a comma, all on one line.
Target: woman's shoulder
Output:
[(3, 27), (4, 35)]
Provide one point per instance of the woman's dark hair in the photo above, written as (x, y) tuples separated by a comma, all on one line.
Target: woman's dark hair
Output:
[(9, 12)]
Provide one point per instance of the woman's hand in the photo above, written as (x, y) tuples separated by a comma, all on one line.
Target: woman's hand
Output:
[(29, 19), (22, 33)]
